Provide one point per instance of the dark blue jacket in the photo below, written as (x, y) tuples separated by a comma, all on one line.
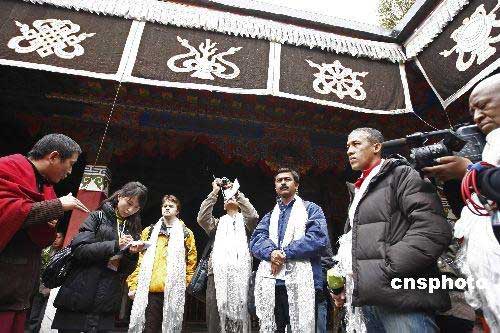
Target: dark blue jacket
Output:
[(311, 246)]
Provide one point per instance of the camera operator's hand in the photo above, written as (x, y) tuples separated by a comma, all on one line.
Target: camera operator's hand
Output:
[(450, 167), (215, 185)]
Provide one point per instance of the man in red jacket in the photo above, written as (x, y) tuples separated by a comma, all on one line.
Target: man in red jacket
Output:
[(29, 210)]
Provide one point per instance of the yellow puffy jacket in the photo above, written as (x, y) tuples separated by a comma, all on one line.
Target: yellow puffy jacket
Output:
[(160, 264)]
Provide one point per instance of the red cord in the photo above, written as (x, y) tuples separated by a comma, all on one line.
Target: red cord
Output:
[(469, 187)]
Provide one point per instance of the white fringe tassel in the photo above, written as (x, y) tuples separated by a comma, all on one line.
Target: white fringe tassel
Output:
[(181, 15), (433, 26)]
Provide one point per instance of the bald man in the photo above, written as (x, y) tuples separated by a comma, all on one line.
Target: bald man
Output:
[(484, 107), (480, 250)]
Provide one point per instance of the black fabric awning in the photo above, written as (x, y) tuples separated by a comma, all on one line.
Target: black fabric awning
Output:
[(82, 43), (173, 45), (45, 37), (465, 51)]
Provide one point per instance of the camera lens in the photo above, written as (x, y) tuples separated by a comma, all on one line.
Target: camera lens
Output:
[(425, 156)]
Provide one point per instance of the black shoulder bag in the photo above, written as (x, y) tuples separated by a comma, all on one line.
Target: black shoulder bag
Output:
[(61, 264), (58, 268), (198, 285)]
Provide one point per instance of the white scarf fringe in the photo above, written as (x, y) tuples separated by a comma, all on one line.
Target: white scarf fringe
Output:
[(181, 15), (299, 279), (232, 267), (433, 26), (50, 313), (354, 316), (175, 282)]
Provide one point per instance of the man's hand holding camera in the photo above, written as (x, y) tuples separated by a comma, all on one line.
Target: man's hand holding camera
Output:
[(450, 167), (215, 186), (222, 183)]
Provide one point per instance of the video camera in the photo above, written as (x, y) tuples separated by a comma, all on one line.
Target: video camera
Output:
[(466, 141)]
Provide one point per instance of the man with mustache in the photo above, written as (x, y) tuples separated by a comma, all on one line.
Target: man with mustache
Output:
[(395, 229), (289, 241), (29, 210), (480, 248)]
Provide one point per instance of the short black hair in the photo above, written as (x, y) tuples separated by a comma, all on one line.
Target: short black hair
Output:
[(130, 189), (373, 134), (294, 173), (61, 143)]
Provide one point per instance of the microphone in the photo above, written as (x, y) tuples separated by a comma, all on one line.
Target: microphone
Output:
[(394, 143)]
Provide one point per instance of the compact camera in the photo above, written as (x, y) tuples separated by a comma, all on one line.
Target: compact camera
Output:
[(224, 182)]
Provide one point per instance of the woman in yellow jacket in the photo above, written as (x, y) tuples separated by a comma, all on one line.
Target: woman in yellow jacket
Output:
[(158, 284)]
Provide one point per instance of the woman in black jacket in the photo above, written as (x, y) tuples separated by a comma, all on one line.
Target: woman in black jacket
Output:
[(90, 297)]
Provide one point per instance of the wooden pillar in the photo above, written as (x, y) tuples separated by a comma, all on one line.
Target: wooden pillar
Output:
[(93, 189)]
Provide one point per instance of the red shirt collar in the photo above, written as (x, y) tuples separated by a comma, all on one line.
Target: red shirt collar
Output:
[(365, 174)]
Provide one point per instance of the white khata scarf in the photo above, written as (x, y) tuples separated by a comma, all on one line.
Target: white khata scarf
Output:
[(479, 253), (232, 267), (175, 282), (50, 313), (298, 278), (354, 316)]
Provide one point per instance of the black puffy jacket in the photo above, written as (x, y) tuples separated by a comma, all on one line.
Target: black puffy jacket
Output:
[(92, 287), (399, 230)]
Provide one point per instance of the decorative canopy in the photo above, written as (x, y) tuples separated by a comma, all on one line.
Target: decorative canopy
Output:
[(361, 75), (176, 45)]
